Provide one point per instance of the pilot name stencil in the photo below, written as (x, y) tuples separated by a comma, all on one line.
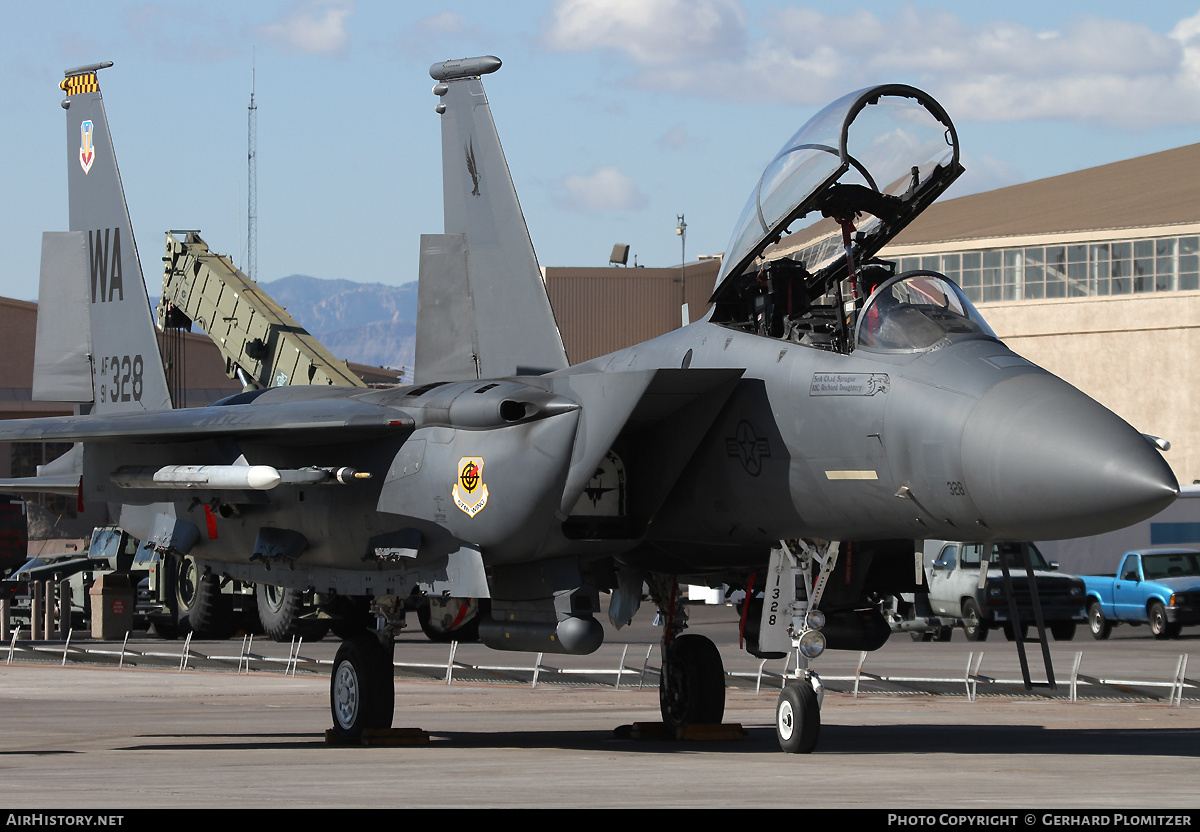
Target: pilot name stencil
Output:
[(848, 384)]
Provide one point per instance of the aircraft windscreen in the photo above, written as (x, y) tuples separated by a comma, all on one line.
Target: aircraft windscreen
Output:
[(1170, 565), (914, 311), (887, 143)]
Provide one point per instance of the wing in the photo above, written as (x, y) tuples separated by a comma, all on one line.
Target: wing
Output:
[(289, 423)]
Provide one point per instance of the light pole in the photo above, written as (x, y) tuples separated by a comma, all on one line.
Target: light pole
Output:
[(681, 230)]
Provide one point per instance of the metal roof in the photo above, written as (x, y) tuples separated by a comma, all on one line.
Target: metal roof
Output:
[(1160, 189)]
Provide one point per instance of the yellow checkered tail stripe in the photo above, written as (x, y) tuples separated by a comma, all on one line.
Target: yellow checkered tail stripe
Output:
[(76, 84)]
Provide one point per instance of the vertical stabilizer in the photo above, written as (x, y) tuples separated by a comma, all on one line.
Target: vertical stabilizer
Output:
[(499, 292), (62, 349), (126, 364)]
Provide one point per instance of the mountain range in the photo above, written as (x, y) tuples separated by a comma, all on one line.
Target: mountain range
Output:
[(368, 323)]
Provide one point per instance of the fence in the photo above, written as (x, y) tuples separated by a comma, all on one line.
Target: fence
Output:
[(1172, 688)]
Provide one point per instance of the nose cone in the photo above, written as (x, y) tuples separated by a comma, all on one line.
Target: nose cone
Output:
[(1042, 461)]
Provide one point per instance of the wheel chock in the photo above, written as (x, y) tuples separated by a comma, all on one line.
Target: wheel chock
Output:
[(716, 732), (389, 737)]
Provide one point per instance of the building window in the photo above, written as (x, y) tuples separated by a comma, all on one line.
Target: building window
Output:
[(1189, 263), (1165, 264)]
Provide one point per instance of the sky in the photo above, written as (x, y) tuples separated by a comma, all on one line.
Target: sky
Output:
[(616, 116)]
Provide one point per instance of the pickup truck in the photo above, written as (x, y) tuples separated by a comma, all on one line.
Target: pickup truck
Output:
[(956, 589), (1159, 587)]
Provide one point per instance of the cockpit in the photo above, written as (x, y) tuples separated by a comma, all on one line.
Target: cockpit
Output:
[(800, 264), (914, 311)]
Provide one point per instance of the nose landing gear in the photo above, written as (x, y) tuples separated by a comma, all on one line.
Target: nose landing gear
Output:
[(791, 621), (797, 718)]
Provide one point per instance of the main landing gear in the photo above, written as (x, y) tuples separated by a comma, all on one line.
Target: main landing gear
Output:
[(362, 692), (691, 686)]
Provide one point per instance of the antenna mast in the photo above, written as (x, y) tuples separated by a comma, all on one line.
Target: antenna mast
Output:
[(252, 186)]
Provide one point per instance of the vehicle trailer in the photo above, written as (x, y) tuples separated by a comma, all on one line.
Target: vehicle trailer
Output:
[(76, 568), (170, 595), (1158, 587)]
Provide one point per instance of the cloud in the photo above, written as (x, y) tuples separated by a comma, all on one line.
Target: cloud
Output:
[(1092, 69), (445, 31), (443, 23), (209, 36), (603, 189), (983, 173), (675, 138), (312, 27), (652, 32)]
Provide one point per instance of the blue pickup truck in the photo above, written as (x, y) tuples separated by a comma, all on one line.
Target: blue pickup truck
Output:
[(1159, 587)]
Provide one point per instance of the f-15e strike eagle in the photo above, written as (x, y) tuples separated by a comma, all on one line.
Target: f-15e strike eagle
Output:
[(827, 409)]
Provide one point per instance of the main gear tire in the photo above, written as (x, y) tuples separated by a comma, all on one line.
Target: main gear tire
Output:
[(691, 687), (362, 692)]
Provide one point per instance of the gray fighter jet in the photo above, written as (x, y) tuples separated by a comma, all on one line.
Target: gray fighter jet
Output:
[(827, 411)]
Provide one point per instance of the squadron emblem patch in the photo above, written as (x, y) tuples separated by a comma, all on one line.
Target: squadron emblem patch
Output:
[(470, 492), (87, 153)]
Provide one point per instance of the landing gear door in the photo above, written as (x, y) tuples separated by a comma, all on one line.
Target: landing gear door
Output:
[(779, 594)]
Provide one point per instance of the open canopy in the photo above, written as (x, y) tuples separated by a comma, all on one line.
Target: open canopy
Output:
[(876, 158)]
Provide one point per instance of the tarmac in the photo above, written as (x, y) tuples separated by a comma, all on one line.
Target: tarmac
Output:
[(137, 737)]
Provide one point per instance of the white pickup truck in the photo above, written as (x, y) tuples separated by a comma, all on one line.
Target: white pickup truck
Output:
[(959, 594)]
